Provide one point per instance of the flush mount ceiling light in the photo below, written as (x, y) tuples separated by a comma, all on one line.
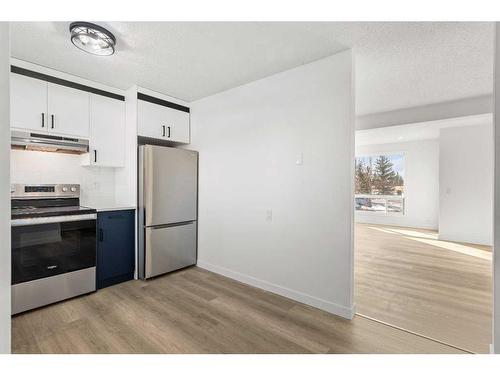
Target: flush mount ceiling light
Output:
[(92, 38)]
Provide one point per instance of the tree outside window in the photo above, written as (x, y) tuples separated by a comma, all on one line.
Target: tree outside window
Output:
[(379, 178)]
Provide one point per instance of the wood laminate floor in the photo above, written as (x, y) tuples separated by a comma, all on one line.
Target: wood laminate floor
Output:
[(196, 311), (408, 278)]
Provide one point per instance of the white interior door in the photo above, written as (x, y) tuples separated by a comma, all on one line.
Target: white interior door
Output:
[(28, 103), (107, 140), (69, 111)]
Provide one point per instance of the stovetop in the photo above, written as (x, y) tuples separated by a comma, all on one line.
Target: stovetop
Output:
[(31, 211), (29, 201)]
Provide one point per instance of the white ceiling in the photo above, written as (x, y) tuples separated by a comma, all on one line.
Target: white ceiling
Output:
[(398, 65), (416, 132)]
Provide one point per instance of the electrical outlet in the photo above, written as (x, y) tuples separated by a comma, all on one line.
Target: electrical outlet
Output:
[(269, 215)]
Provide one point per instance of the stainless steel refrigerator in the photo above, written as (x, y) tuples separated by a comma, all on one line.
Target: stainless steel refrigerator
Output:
[(168, 197)]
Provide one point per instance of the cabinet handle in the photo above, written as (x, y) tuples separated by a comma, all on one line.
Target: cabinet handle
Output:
[(95, 156), (52, 121), (101, 235), (163, 130), (168, 127), (43, 120)]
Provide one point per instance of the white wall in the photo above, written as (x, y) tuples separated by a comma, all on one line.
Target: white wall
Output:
[(5, 250), (264, 219), (496, 256), (421, 184), (466, 184), (36, 167), (126, 178)]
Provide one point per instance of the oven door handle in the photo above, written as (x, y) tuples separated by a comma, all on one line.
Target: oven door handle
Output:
[(51, 219)]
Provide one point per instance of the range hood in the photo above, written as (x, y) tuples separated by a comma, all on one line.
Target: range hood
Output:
[(45, 142)]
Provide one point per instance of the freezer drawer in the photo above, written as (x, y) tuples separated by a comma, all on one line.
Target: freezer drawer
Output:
[(169, 248)]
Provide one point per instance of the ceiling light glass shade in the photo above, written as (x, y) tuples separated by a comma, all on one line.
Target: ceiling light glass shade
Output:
[(92, 38)]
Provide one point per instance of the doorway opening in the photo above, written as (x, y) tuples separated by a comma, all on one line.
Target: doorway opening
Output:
[(424, 230)]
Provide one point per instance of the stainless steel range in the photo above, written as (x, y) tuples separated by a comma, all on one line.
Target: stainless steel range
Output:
[(53, 245)]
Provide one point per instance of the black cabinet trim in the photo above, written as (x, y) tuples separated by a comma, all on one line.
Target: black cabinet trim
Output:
[(162, 102), (63, 82)]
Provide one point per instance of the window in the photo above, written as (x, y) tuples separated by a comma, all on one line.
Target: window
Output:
[(380, 183)]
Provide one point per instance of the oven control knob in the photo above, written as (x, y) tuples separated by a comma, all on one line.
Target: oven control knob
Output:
[(65, 189), (73, 189)]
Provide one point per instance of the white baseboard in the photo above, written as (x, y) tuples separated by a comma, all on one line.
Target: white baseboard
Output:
[(372, 218), (466, 240), (343, 311)]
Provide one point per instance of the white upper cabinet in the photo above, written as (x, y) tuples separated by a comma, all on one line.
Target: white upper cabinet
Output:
[(68, 111), (38, 105), (178, 127), (162, 122), (107, 132), (60, 107), (28, 103)]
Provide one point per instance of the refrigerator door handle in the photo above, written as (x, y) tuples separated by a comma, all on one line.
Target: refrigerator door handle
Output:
[(170, 225)]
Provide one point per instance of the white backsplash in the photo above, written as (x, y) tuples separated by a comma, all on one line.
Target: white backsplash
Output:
[(34, 167)]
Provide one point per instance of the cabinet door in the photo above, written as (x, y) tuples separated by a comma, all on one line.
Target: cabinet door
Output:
[(157, 121), (177, 123), (107, 131), (28, 103), (116, 247), (69, 111), (150, 120)]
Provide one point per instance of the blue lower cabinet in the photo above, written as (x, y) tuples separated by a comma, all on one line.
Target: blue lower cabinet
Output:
[(115, 247)]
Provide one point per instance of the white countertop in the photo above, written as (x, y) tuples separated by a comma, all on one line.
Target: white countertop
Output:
[(101, 208)]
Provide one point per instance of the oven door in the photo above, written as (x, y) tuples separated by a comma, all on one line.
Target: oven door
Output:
[(49, 246)]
